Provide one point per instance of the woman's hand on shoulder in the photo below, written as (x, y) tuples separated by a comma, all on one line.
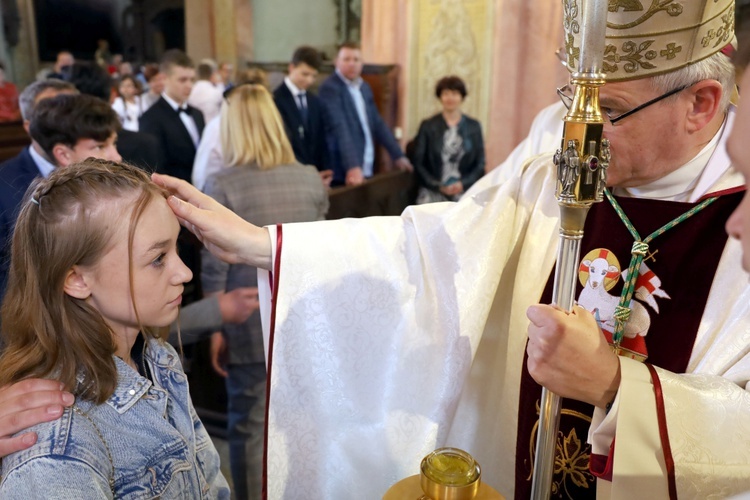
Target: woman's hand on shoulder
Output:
[(25, 404)]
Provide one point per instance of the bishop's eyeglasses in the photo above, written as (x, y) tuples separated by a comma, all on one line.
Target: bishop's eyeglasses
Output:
[(566, 96)]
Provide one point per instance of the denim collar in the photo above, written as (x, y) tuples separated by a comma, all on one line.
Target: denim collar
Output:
[(131, 385)]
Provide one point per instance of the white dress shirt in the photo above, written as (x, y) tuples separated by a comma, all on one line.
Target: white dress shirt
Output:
[(188, 120)]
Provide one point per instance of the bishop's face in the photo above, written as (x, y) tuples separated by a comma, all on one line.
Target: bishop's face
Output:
[(738, 225), (650, 143)]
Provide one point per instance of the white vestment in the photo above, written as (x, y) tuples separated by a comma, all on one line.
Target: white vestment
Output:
[(545, 136), (394, 336)]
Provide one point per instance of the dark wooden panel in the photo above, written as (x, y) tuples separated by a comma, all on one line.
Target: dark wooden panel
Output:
[(384, 194), (13, 138)]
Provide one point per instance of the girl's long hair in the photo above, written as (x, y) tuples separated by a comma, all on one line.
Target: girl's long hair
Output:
[(67, 220)]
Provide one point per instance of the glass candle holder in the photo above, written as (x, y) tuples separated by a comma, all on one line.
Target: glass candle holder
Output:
[(450, 474)]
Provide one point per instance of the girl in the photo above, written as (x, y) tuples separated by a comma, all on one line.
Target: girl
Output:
[(94, 270), (128, 105)]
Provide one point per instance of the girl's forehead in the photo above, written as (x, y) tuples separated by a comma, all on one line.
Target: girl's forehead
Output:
[(155, 221), (117, 210)]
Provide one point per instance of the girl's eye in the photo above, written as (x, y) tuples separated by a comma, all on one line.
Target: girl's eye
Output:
[(159, 261)]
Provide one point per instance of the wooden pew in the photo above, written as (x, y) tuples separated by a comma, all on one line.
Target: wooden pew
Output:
[(384, 194), (13, 138)]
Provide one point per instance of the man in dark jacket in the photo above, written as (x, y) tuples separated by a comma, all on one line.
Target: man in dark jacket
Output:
[(357, 126)]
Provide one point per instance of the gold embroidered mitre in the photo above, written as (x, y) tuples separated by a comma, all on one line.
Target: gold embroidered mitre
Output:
[(651, 37)]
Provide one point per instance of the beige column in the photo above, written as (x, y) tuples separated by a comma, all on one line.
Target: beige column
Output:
[(525, 71), (386, 39), (199, 42), (219, 29), (25, 55)]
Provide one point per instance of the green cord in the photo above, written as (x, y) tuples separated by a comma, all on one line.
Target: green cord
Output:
[(638, 251)]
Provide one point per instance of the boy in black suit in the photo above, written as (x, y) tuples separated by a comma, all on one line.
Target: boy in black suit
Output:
[(176, 125), (304, 116)]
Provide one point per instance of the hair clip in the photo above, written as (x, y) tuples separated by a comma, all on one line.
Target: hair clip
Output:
[(34, 201)]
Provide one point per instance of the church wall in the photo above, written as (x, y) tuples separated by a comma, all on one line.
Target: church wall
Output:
[(279, 26), (454, 37)]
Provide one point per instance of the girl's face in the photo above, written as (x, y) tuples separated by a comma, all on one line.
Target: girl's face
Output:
[(158, 272), (127, 89)]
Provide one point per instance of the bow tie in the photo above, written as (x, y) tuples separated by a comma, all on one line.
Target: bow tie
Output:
[(183, 110)]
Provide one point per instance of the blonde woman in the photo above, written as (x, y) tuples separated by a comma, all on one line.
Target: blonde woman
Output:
[(209, 158), (264, 184)]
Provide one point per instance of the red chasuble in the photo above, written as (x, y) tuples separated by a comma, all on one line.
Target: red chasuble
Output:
[(671, 294)]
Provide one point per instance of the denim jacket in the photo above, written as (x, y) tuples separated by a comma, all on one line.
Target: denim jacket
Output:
[(148, 431)]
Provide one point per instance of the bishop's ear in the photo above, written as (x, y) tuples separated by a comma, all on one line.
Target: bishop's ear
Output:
[(75, 284), (706, 103)]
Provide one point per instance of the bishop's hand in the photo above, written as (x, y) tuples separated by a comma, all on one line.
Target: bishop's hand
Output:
[(224, 233), (569, 355)]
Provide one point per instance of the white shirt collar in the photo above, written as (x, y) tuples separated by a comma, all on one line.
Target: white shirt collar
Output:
[(293, 88), (172, 102), (43, 164), (679, 184), (351, 83)]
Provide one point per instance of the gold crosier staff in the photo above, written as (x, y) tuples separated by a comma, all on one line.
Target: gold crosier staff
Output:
[(582, 163)]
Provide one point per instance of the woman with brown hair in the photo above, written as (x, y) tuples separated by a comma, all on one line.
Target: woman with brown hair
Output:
[(94, 277), (264, 185), (449, 149)]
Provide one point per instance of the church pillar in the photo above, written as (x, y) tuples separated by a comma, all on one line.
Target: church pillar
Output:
[(502, 49), (24, 57), (525, 71), (390, 46), (219, 29)]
